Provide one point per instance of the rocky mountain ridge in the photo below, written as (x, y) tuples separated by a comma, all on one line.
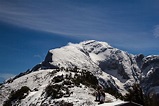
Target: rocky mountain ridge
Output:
[(112, 68)]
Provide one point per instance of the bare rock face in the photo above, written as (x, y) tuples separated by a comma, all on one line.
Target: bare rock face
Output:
[(139, 59), (150, 79), (150, 62), (151, 87), (47, 62)]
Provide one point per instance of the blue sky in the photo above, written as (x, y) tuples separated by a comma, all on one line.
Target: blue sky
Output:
[(29, 28)]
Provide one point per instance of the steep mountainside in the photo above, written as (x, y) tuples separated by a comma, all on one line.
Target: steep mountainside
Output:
[(69, 76), (150, 78)]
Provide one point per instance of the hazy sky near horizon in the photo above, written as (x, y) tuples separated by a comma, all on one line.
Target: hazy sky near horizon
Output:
[(29, 28)]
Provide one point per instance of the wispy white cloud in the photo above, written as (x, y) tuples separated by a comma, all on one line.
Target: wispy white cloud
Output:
[(6, 76), (111, 23), (38, 56), (156, 31), (62, 18)]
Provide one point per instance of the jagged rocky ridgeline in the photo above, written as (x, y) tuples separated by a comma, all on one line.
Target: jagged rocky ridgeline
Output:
[(65, 71)]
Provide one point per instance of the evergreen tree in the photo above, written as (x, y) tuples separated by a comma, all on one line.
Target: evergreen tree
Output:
[(135, 94)]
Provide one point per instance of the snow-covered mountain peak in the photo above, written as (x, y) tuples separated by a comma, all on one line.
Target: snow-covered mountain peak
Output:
[(98, 58), (79, 54), (73, 72)]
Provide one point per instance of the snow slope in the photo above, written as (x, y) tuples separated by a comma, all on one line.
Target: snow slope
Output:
[(39, 80)]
